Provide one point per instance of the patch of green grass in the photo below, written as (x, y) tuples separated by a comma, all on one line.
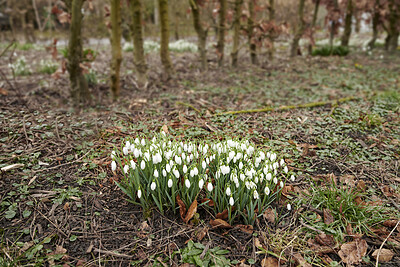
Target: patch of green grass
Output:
[(212, 256), (326, 51)]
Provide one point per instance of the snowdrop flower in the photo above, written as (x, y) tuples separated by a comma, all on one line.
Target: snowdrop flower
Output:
[(267, 191), (288, 206), (136, 153), (143, 142), (242, 176), (228, 191), (231, 201), (203, 164), (281, 184), (201, 183), (225, 170), (133, 164), (125, 150), (191, 173), (176, 173), (137, 141), (113, 166), (147, 156), (184, 169), (164, 173), (195, 171), (275, 180), (256, 179), (255, 194), (132, 147), (240, 165), (139, 193), (157, 158), (209, 186), (273, 157), (185, 147), (286, 170), (282, 162), (207, 160), (292, 178), (169, 182), (275, 165), (113, 154), (178, 160), (126, 168), (187, 183), (262, 155), (153, 186), (128, 144), (155, 173), (142, 165), (168, 167), (265, 170)]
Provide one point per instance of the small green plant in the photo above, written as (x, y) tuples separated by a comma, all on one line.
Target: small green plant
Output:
[(25, 47), (20, 67), (327, 50), (192, 254), (91, 77), (47, 66), (233, 175)]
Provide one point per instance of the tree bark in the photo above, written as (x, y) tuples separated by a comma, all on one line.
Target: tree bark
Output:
[(347, 23), (236, 32), (137, 34), (334, 24), (375, 23), (221, 31), (393, 30), (201, 33), (250, 29), (164, 50), (79, 86), (299, 31), (314, 22), (271, 12), (116, 35)]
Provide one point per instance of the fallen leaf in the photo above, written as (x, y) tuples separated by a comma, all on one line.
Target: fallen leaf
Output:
[(390, 223), (300, 261), (3, 91), (222, 215), (349, 229), (165, 129), (144, 226), (352, 252), (287, 189), (386, 255), (210, 203), (269, 262), (348, 180), (313, 245), (325, 240), (328, 217), (218, 223), (257, 243), (361, 186), (191, 211), (269, 215), (387, 191), (182, 207), (245, 228), (202, 233)]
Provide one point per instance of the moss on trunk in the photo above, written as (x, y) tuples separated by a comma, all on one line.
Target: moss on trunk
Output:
[(236, 32), (116, 34), (300, 30), (201, 33), (221, 31), (347, 23), (250, 29)]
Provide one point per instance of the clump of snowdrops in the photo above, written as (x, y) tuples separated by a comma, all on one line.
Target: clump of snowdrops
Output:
[(231, 175)]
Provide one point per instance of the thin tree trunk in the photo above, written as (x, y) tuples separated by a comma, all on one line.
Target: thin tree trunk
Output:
[(250, 29), (314, 22), (299, 31), (137, 34), (347, 23), (271, 11), (116, 34), (164, 50), (334, 24), (79, 86), (201, 33), (394, 20), (37, 15), (236, 32), (375, 23), (221, 31)]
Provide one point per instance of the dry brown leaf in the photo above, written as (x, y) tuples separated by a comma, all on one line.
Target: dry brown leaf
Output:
[(192, 210), (210, 203), (313, 245), (218, 223), (300, 261), (386, 255), (165, 129), (361, 186), (387, 191), (3, 91), (182, 207), (257, 243), (269, 262), (390, 223), (328, 217), (352, 252), (269, 215), (325, 240), (202, 233), (245, 228), (349, 229), (144, 226), (348, 180), (222, 215), (287, 189)]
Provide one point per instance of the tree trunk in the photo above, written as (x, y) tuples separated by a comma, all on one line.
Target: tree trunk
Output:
[(201, 33), (176, 19), (164, 50), (271, 11), (394, 20), (314, 22), (236, 32), (347, 23), (137, 34), (250, 29), (221, 31), (375, 23), (116, 33), (299, 31), (334, 24), (79, 86)]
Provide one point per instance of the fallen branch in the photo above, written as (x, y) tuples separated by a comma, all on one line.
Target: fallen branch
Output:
[(383, 243), (188, 105), (282, 108), (110, 253)]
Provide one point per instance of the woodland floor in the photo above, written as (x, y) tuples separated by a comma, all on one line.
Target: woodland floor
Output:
[(62, 206)]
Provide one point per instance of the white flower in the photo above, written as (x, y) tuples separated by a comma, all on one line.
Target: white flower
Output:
[(187, 183), (155, 173), (191, 173), (210, 187), (207, 160), (267, 191), (289, 207), (153, 186), (195, 171), (201, 183), (203, 164), (126, 168), (164, 173), (168, 167), (273, 157), (157, 158), (113, 154), (178, 160), (265, 170), (139, 193), (282, 162), (176, 173), (231, 201), (136, 153), (281, 184), (228, 191), (113, 165), (125, 150), (225, 169), (255, 194), (169, 182), (292, 178), (147, 156), (240, 165), (262, 155), (137, 141), (184, 169), (142, 165), (143, 142), (286, 169), (133, 165), (242, 177), (275, 180)]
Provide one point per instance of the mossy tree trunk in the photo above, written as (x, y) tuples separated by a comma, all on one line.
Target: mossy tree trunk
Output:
[(164, 51), (250, 29), (299, 31), (333, 24), (314, 22), (138, 51), (116, 34), (79, 87), (347, 23), (201, 33), (221, 31), (271, 13), (236, 32), (375, 23), (392, 40)]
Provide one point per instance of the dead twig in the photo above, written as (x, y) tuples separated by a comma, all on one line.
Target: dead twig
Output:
[(110, 253), (383, 243)]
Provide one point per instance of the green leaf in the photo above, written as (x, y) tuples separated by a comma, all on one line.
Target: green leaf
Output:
[(73, 238), (9, 214), (251, 261), (26, 213)]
